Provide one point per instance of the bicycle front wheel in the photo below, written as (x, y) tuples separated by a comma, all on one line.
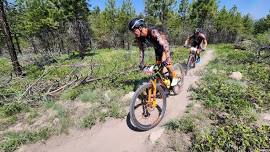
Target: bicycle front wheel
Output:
[(143, 115), (190, 63)]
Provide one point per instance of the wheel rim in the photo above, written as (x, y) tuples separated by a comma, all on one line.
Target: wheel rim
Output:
[(145, 115)]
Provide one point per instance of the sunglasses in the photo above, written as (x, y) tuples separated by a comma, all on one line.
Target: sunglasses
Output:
[(134, 29)]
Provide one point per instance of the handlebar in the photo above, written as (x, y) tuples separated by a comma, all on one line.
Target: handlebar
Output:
[(188, 46), (150, 69)]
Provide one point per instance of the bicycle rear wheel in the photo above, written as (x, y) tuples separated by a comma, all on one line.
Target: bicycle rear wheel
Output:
[(144, 116)]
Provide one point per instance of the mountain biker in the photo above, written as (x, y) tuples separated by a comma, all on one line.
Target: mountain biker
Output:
[(196, 41), (151, 36)]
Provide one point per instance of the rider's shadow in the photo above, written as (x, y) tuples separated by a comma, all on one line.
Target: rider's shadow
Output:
[(131, 126), (184, 65)]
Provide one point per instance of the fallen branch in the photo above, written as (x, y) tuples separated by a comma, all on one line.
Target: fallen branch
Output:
[(87, 79), (77, 65), (63, 87), (265, 48), (44, 73)]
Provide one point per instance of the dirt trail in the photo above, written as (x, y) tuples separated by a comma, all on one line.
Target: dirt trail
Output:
[(115, 135)]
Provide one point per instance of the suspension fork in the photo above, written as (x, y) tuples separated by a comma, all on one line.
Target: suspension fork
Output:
[(152, 92)]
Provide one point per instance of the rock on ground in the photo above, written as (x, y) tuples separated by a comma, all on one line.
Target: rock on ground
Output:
[(236, 76), (128, 96), (266, 116)]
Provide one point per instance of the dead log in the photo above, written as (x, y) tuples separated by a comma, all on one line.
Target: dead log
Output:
[(87, 79)]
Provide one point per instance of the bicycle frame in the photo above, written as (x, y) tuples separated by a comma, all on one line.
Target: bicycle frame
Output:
[(193, 52)]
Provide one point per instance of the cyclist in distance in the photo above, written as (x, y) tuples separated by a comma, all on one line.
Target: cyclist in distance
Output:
[(197, 40)]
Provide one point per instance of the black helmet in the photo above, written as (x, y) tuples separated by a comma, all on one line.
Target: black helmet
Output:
[(135, 23)]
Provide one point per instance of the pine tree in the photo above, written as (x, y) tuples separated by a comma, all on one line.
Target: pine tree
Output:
[(159, 9), (262, 25), (184, 9), (110, 16), (203, 10), (6, 30), (248, 24), (126, 13)]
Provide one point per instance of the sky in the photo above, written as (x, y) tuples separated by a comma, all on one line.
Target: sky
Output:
[(256, 8)]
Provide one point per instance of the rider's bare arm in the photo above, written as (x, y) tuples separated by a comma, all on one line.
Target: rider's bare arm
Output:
[(204, 40), (188, 41), (205, 43), (141, 51), (164, 43)]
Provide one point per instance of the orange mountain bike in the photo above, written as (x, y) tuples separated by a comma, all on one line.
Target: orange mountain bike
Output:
[(148, 104)]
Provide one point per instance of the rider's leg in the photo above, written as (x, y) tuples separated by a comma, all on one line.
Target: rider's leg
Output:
[(166, 57), (198, 54), (169, 66)]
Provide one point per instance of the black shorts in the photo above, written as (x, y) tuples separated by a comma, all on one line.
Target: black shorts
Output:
[(159, 53)]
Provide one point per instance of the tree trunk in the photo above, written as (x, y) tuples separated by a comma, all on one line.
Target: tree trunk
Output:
[(1, 51), (91, 45), (8, 38), (17, 43), (79, 37), (128, 44), (61, 45), (123, 44)]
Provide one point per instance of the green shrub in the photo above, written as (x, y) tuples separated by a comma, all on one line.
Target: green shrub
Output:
[(71, 94), (33, 72), (62, 114), (259, 95), (115, 110), (92, 96), (259, 73), (6, 121), (31, 116), (263, 38), (5, 66), (224, 95), (239, 57), (58, 72), (236, 138), (238, 101), (184, 124), (13, 108), (11, 141), (89, 121)]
